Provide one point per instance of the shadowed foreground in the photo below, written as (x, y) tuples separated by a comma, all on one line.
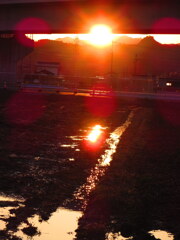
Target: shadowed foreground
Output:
[(140, 190)]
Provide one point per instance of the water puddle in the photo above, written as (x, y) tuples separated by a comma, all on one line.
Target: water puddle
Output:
[(7, 204), (10, 198), (116, 236), (61, 226), (162, 235), (158, 234), (100, 168), (2, 225)]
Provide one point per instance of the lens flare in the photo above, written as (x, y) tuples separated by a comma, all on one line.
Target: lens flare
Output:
[(23, 109), (167, 23), (94, 134), (30, 25), (101, 106)]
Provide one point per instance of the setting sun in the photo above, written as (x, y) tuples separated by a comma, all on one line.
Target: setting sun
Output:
[(100, 35)]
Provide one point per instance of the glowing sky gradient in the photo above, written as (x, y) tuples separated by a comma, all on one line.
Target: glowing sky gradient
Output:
[(161, 38)]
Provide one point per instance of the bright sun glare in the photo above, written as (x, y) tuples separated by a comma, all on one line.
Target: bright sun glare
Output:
[(100, 35), (95, 133)]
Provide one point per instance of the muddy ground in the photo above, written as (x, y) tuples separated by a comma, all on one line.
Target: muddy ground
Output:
[(140, 190)]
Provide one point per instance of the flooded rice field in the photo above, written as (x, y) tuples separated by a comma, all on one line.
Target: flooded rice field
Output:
[(88, 168)]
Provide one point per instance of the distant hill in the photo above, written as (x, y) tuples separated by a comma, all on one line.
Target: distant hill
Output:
[(128, 40), (121, 39), (66, 40), (148, 41)]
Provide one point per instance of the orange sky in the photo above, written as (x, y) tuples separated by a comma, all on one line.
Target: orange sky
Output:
[(164, 39)]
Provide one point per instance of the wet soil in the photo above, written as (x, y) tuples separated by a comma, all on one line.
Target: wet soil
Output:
[(140, 191), (34, 164)]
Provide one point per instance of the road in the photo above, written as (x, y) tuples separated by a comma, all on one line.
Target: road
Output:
[(171, 96)]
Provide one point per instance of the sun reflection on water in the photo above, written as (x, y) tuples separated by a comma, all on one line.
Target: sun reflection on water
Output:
[(95, 133), (99, 170)]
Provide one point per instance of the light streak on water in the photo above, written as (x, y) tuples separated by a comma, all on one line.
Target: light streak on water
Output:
[(99, 170), (69, 145), (76, 138)]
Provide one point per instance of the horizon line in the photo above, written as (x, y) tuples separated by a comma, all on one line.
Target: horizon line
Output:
[(161, 38)]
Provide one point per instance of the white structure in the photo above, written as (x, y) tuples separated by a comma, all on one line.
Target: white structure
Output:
[(51, 67)]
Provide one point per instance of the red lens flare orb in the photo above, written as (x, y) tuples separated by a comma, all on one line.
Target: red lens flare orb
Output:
[(24, 109), (102, 102), (30, 25), (170, 112), (167, 24)]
